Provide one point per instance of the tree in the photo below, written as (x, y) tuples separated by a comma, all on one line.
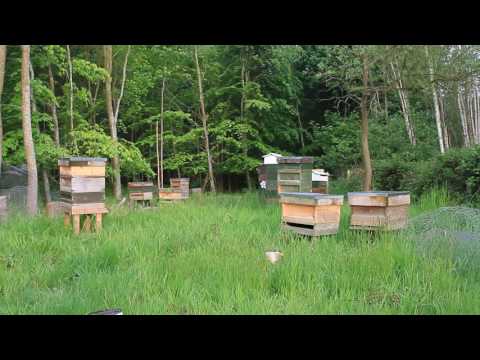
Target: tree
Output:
[(32, 190), (113, 114), (3, 58), (204, 117)]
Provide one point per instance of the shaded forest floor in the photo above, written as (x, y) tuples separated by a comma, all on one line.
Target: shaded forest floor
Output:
[(206, 256)]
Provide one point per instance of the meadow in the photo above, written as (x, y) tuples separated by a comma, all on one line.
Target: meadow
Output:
[(206, 256)]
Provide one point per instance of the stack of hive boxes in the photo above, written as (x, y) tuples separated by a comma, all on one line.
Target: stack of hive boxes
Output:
[(303, 211), (295, 174), (373, 210), (140, 191), (179, 190), (82, 189)]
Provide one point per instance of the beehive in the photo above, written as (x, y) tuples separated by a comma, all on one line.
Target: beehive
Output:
[(379, 210), (55, 208), (310, 213), (320, 181), (82, 189), (295, 174), (181, 185), (3, 207), (140, 191), (170, 195)]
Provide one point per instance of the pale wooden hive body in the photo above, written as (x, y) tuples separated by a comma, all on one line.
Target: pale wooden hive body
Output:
[(386, 210), (310, 213)]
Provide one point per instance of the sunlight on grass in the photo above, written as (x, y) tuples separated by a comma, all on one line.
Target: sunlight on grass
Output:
[(206, 256)]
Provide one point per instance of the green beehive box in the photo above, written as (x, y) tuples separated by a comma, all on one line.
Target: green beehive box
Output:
[(295, 174)]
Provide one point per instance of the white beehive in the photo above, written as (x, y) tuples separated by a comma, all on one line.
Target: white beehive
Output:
[(271, 158), (320, 175)]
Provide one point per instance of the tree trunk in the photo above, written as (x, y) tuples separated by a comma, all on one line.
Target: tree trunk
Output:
[(161, 130), (56, 131), (364, 107), (46, 182), (436, 104), (3, 59), (245, 78), (300, 128), (463, 117), (117, 185), (32, 190), (204, 122), (405, 105), (70, 78)]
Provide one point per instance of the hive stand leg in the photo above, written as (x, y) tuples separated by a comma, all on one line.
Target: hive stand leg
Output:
[(76, 224), (87, 224), (98, 224), (66, 220)]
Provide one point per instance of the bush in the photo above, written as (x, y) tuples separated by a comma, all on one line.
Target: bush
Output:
[(457, 169)]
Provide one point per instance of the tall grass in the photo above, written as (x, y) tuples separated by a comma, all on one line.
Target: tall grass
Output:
[(206, 256)]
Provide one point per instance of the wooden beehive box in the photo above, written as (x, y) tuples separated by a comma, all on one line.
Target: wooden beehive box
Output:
[(320, 181), (140, 191), (295, 174), (3, 207), (82, 184), (379, 210), (55, 208), (310, 213), (181, 185), (170, 195)]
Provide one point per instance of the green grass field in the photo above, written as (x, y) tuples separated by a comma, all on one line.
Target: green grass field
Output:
[(206, 256)]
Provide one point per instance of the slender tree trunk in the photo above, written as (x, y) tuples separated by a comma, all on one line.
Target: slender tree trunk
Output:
[(405, 105), (245, 78), (161, 130), (117, 185), (463, 117), (46, 181), (3, 59), (53, 107), (204, 122), (70, 78), (300, 128), (32, 189), (436, 104), (364, 107)]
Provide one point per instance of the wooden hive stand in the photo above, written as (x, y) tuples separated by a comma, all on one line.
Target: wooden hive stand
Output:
[(140, 192), (377, 210), (82, 192), (311, 214), (76, 213)]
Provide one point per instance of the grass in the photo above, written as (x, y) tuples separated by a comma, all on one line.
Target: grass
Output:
[(206, 256)]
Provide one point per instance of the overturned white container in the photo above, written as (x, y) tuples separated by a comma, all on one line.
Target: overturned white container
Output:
[(274, 256)]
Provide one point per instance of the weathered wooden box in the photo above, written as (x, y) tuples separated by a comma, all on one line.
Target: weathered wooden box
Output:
[(181, 185), (294, 174), (170, 195), (82, 184), (140, 191), (320, 181), (55, 209), (374, 210), (310, 213), (3, 207)]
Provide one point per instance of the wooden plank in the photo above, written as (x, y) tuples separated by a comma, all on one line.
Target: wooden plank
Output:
[(367, 200), (82, 161), (98, 222), (141, 196), (82, 184), (85, 208), (82, 198), (295, 160), (290, 171), (82, 171), (399, 200)]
